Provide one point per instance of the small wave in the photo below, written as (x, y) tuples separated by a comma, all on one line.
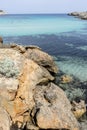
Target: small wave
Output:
[(84, 48)]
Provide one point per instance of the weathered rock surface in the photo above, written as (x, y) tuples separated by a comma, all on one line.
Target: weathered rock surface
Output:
[(78, 108), (11, 63), (5, 121), (82, 15), (8, 88), (53, 110), (31, 75), (27, 93), (19, 48), (1, 40), (41, 58)]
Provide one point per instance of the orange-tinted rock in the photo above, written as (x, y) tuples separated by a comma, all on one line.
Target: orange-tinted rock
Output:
[(31, 75), (15, 109)]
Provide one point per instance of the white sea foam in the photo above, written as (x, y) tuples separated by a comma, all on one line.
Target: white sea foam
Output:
[(84, 48)]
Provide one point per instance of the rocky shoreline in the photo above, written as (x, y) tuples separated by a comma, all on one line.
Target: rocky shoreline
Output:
[(81, 15), (33, 92), (2, 12)]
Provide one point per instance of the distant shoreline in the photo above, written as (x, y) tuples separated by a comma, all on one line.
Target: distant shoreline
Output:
[(81, 15), (2, 12)]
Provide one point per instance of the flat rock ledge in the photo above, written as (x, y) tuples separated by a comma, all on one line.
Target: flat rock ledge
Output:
[(29, 100), (81, 15)]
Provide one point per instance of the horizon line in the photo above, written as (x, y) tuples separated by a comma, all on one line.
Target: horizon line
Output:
[(34, 13)]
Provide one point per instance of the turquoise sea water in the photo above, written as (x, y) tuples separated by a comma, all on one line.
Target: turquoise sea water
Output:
[(21, 25), (62, 36)]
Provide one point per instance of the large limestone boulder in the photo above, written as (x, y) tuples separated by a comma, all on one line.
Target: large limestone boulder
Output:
[(42, 59), (53, 110), (31, 75)]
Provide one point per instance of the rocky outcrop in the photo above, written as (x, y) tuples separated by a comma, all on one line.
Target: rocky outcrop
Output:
[(2, 12), (28, 96), (82, 15)]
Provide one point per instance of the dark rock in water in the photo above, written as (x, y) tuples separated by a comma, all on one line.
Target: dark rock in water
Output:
[(1, 41)]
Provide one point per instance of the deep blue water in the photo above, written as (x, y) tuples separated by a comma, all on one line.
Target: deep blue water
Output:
[(62, 36)]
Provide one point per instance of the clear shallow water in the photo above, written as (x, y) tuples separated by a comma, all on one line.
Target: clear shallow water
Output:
[(19, 25), (62, 36)]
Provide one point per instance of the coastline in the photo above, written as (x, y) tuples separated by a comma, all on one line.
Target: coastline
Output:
[(81, 15), (46, 81), (66, 82)]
